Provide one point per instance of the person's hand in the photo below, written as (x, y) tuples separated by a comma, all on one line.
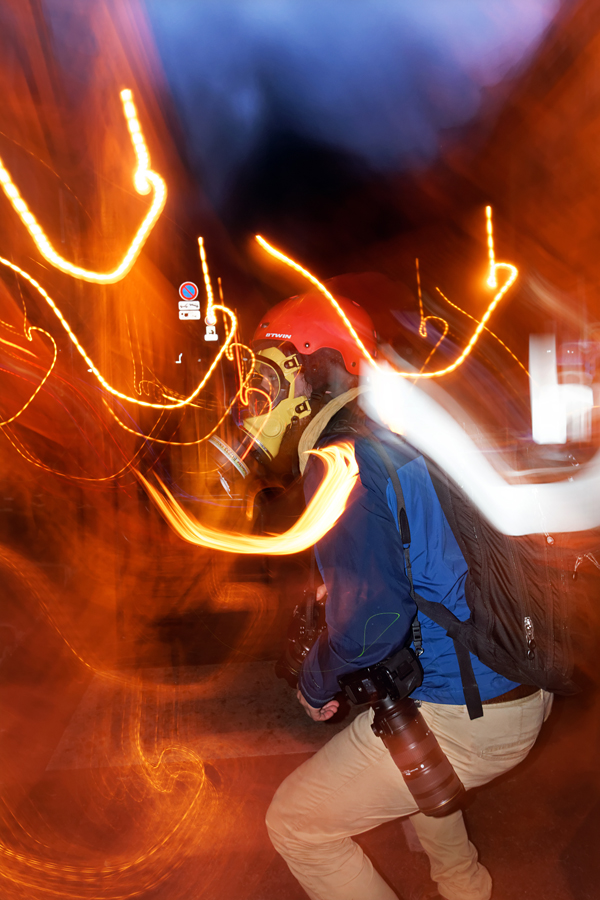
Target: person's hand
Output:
[(321, 592), (319, 715)]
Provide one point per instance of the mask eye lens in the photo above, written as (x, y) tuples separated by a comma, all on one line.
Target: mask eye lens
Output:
[(259, 403), (265, 386)]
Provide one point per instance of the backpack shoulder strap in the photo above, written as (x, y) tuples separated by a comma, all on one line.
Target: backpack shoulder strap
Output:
[(435, 611)]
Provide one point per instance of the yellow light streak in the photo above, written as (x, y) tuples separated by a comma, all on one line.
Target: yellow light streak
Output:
[(255, 437), (28, 335), (144, 180), (30, 457), (17, 347), (148, 437), (111, 390), (210, 299), (491, 333), (422, 319), (511, 276), (243, 380), (445, 327), (288, 261), (490, 243), (321, 514)]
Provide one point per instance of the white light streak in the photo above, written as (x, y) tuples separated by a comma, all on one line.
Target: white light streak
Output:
[(565, 506)]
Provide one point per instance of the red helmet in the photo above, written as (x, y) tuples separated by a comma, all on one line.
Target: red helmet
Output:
[(310, 322)]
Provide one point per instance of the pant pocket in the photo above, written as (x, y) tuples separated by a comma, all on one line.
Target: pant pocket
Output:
[(514, 733)]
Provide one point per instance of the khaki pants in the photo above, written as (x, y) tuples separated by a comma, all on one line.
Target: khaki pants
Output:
[(352, 785)]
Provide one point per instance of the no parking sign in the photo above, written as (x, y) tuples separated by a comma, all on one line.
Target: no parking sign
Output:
[(189, 307), (188, 290)]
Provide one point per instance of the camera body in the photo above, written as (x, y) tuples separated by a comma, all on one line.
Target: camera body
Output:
[(395, 678)]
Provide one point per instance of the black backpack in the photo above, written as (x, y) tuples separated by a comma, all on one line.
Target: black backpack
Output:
[(520, 591)]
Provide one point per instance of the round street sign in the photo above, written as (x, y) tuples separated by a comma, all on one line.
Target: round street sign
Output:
[(188, 290)]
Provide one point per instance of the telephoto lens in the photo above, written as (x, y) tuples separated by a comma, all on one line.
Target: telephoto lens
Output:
[(428, 773)]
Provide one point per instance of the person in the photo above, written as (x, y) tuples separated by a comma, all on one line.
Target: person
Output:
[(352, 784)]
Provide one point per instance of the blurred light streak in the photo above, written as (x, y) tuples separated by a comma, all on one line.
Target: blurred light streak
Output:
[(445, 327), (511, 276), (31, 458), (137, 385), (515, 509), (144, 180), (558, 410), (492, 282), (210, 299), (236, 347), (28, 335), (163, 784), (243, 380), (495, 336), (325, 508), (422, 319), (16, 346), (277, 254), (255, 437), (177, 405), (148, 437)]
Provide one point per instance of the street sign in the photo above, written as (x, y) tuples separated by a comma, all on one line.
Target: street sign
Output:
[(188, 290), (189, 304), (189, 313)]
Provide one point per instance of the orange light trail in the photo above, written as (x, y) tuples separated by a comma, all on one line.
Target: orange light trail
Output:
[(210, 298), (491, 333), (28, 335), (111, 390), (321, 514), (492, 282), (512, 273), (422, 319), (148, 437), (440, 339), (257, 390), (144, 180), (277, 254), (16, 346)]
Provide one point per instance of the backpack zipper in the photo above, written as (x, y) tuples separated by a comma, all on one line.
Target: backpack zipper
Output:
[(529, 637)]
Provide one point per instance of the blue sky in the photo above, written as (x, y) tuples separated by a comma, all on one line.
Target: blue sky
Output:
[(378, 78)]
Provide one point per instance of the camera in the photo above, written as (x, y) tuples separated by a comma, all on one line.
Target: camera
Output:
[(385, 686), (307, 623), (395, 677), (426, 770)]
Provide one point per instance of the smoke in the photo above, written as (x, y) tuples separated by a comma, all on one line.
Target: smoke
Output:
[(379, 78)]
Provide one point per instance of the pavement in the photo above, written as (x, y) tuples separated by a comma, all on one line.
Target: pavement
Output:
[(152, 781), (159, 782)]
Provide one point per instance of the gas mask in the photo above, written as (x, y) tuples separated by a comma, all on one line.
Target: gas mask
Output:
[(273, 405), (272, 409)]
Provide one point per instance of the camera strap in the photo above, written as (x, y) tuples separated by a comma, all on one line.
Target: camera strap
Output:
[(435, 611)]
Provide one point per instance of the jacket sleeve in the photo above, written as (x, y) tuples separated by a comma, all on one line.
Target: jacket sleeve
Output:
[(369, 609)]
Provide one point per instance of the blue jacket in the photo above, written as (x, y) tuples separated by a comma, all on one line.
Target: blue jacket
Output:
[(369, 609)]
